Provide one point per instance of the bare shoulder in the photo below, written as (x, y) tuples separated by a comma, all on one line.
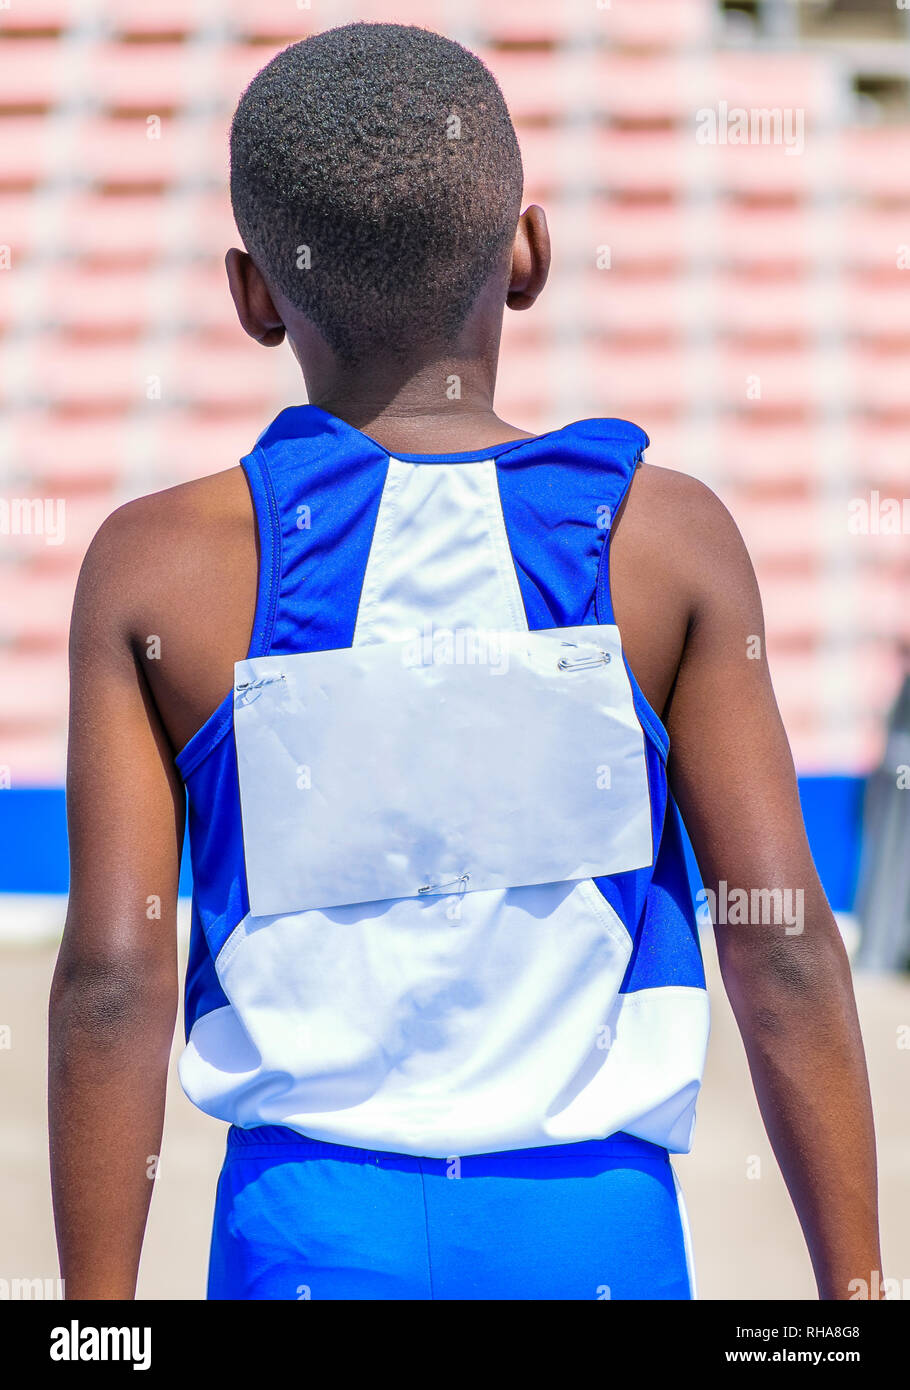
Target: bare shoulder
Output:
[(168, 587), (678, 565), (673, 506), (675, 523), (167, 546), (160, 527)]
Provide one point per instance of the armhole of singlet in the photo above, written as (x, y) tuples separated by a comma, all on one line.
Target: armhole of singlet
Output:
[(603, 610), (265, 512)]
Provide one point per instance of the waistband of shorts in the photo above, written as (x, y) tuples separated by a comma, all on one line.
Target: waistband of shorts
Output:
[(259, 1138)]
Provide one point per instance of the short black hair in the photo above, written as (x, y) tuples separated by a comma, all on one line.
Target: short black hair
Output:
[(386, 155)]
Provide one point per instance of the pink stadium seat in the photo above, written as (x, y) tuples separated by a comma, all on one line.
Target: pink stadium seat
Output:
[(796, 676), (58, 450), (881, 595), (84, 514), (637, 236), (213, 158), (39, 15), (878, 305), (35, 609), (281, 19), (626, 304), (635, 383), (236, 376), (755, 170), (776, 531), (769, 80), (527, 386), (193, 445), (26, 149), (540, 84), (540, 391), (143, 77), (164, 17), (36, 758), (129, 228), (614, 162), (33, 687), (101, 299), (879, 380), (849, 737), (211, 227), (841, 735), (428, 14), (204, 298), (791, 605), (649, 23), (753, 455), (121, 228), (58, 548), (33, 71), (875, 238), (670, 444), (746, 234), (237, 64), (785, 379), (874, 163), (637, 161), (97, 375), (811, 748), (639, 87), (19, 217), (612, 84), (763, 306), (112, 150), (509, 21), (879, 453), (875, 553)]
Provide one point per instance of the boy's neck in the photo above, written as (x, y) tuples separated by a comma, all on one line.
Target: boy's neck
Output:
[(411, 426), (439, 403)]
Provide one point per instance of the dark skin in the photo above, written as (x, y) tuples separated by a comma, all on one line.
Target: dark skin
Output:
[(181, 566)]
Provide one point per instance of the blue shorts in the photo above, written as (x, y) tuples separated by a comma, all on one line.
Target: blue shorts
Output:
[(297, 1219)]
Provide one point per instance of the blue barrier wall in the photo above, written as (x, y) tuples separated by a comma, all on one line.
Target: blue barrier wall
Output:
[(33, 852), (33, 848)]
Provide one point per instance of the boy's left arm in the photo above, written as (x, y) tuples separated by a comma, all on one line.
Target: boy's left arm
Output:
[(788, 981), (115, 989)]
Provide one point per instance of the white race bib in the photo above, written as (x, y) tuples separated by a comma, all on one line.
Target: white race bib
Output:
[(399, 769)]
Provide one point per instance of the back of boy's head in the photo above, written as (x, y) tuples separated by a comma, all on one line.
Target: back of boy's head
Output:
[(376, 182)]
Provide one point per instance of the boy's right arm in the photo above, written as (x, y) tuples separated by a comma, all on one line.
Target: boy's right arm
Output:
[(114, 994)]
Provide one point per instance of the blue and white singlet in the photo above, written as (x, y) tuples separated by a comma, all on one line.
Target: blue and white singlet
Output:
[(474, 927)]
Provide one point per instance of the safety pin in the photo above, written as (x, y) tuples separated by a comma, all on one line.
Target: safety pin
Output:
[(581, 663), (462, 879), (256, 685)]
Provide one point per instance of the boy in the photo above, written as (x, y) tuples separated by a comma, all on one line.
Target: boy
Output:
[(444, 981)]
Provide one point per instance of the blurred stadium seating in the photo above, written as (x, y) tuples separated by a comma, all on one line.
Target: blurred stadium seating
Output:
[(684, 274)]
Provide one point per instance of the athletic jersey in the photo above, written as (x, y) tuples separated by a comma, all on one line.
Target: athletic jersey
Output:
[(504, 1005)]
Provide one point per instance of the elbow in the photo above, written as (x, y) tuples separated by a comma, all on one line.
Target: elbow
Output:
[(103, 1003), (781, 984)]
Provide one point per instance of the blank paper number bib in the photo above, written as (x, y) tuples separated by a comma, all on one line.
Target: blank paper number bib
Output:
[(406, 769)]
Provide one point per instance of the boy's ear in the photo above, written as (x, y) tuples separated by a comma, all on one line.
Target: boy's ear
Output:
[(252, 299), (530, 258)]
